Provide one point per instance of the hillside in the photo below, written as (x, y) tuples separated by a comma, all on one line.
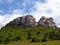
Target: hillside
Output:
[(15, 30), (10, 34), (56, 42)]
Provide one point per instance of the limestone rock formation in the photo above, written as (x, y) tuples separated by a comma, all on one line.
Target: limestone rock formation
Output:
[(47, 22), (25, 21), (29, 21)]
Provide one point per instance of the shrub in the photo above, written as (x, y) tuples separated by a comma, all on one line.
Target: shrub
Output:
[(7, 40), (46, 35), (0, 40), (38, 33), (29, 37), (44, 40), (17, 38), (35, 40)]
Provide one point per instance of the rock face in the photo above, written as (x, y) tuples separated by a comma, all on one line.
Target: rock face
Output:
[(47, 22), (29, 21), (25, 21)]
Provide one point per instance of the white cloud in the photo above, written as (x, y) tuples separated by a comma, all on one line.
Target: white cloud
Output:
[(24, 4), (38, 10), (41, 9), (7, 18)]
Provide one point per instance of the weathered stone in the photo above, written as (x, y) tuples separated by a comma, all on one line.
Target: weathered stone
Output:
[(19, 21), (28, 21), (47, 22), (25, 21), (41, 21)]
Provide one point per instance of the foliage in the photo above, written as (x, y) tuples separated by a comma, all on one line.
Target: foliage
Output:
[(34, 34)]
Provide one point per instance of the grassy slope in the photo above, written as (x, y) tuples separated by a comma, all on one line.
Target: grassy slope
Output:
[(39, 43), (11, 32), (56, 42)]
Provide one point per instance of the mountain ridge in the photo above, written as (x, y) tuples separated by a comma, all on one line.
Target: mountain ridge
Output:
[(25, 28), (29, 20)]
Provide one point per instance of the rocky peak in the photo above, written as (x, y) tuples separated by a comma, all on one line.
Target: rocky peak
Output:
[(47, 22), (29, 20), (24, 21), (42, 18), (41, 21), (51, 19)]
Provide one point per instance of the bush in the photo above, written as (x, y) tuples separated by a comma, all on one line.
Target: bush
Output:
[(17, 38), (29, 37), (35, 40), (0, 40), (54, 36), (7, 40), (38, 33), (44, 40)]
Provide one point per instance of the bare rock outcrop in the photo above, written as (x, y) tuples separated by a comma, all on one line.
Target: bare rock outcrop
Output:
[(47, 22), (29, 21), (25, 21)]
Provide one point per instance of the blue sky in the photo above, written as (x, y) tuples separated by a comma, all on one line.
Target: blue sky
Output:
[(8, 6), (11, 9)]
